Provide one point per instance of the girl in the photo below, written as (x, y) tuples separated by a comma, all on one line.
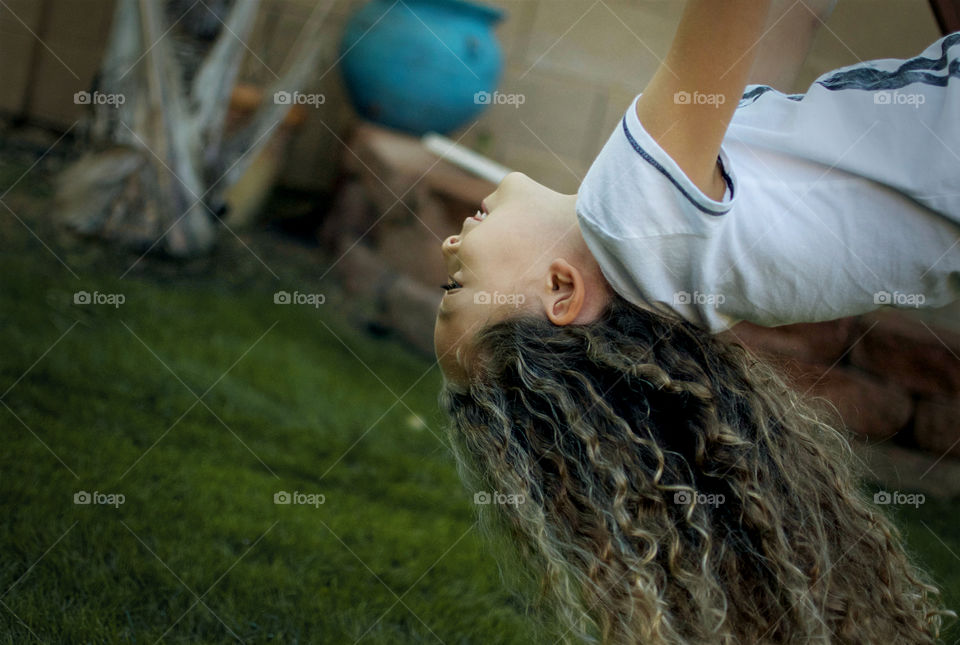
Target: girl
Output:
[(665, 486)]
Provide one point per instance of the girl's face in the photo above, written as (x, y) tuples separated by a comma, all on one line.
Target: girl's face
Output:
[(497, 262)]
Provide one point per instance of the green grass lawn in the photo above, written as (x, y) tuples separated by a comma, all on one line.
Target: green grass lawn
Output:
[(291, 398)]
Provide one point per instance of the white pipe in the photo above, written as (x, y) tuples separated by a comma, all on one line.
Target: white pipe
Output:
[(464, 157)]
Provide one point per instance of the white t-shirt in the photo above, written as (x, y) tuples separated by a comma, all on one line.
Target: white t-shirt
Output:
[(839, 201)]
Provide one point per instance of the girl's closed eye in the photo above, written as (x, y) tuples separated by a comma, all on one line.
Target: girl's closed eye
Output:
[(451, 285)]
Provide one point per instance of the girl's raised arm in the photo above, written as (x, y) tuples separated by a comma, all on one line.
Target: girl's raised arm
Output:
[(691, 98)]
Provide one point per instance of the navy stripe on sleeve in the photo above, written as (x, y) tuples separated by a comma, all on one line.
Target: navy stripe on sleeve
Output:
[(653, 162), (914, 70)]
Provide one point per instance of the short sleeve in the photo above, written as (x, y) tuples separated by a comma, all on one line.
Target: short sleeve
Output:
[(649, 226)]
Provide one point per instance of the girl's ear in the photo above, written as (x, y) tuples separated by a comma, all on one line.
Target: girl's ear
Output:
[(565, 293)]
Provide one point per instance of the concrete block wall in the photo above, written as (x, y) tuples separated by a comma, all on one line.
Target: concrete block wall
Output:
[(50, 50), (579, 64), (53, 48)]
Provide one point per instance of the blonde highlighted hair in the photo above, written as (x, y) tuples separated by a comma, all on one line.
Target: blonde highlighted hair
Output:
[(664, 486)]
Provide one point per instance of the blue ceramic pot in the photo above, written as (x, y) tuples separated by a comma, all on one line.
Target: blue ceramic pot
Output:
[(421, 65)]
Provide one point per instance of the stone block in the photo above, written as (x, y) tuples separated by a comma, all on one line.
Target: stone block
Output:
[(868, 406), (822, 342), (902, 350), (937, 426)]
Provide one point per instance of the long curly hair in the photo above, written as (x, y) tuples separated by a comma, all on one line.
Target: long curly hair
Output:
[(661, 485)]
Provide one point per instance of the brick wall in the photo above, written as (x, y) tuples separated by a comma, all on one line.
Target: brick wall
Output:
[(888, 374), (580, 63)]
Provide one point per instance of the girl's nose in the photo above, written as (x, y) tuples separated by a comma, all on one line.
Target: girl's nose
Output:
[(450, 244)]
